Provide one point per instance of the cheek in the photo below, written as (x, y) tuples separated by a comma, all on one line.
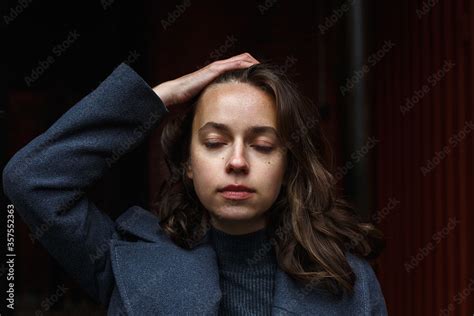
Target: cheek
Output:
[(204, 171), (203, 162), (271, 172)]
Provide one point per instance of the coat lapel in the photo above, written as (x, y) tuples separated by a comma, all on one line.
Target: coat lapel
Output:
[(156, 277), (292, 299)]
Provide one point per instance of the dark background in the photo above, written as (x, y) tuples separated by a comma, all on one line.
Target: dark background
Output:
[(402, 181)]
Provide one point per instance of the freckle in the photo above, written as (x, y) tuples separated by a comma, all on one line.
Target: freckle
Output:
[(268, 162)]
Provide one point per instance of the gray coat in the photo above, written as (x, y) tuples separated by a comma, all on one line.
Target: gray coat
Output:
[(130, 264)]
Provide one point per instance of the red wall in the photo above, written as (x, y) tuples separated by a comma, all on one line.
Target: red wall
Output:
[(427, 267)]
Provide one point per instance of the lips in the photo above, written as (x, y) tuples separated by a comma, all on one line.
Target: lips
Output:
[(236, 195), (236, 192), (236, 188)]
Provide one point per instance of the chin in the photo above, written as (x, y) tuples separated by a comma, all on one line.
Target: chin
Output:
[(237, 213)]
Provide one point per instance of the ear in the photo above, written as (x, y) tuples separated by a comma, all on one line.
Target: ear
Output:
[(189, 170)]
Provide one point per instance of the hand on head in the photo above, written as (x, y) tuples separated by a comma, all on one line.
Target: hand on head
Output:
[(184, 88)]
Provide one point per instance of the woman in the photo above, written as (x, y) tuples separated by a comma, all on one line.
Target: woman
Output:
[(248, 223)]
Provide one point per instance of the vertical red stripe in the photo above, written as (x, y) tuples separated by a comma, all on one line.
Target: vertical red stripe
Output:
[(445, 32)]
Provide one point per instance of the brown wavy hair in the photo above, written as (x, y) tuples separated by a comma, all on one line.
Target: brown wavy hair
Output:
[(311, 228)]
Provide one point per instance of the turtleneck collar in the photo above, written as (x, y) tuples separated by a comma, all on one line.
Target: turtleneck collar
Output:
[(242, 252)]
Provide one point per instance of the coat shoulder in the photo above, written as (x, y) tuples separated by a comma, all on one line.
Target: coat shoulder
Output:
[(367, 285)]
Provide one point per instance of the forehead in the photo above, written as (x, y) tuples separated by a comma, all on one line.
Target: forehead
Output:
[(238, 105)]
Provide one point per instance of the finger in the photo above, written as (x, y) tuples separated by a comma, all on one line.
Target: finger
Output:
[(235, 64), (243, 56), (247, 56)]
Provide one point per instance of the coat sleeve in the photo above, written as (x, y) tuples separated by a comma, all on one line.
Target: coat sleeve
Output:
[(369, 293), (47, 179), (374, 296)]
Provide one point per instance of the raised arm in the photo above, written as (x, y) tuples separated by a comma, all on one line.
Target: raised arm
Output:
[(46, 180)]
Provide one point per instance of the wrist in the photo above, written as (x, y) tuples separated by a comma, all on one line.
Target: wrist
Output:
[(163, 93)]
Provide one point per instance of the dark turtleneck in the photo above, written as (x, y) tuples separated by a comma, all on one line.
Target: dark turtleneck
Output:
[(247, 265)]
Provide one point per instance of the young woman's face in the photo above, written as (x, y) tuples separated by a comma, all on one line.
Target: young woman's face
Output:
[(234, 141)]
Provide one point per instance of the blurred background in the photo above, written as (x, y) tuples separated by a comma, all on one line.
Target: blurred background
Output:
[(393, 81)]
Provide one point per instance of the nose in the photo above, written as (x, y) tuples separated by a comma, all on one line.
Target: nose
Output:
[(237, 162)]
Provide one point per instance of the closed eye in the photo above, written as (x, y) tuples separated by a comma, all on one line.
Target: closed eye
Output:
[(213, 144), (264, 149)]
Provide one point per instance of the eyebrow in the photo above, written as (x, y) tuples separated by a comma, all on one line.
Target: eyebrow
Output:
[(253, 130)]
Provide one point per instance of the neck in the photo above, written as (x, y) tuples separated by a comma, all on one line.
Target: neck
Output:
[(233, 227), (243, 251)]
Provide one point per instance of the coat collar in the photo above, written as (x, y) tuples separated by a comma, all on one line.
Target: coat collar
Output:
[(155, 276)]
